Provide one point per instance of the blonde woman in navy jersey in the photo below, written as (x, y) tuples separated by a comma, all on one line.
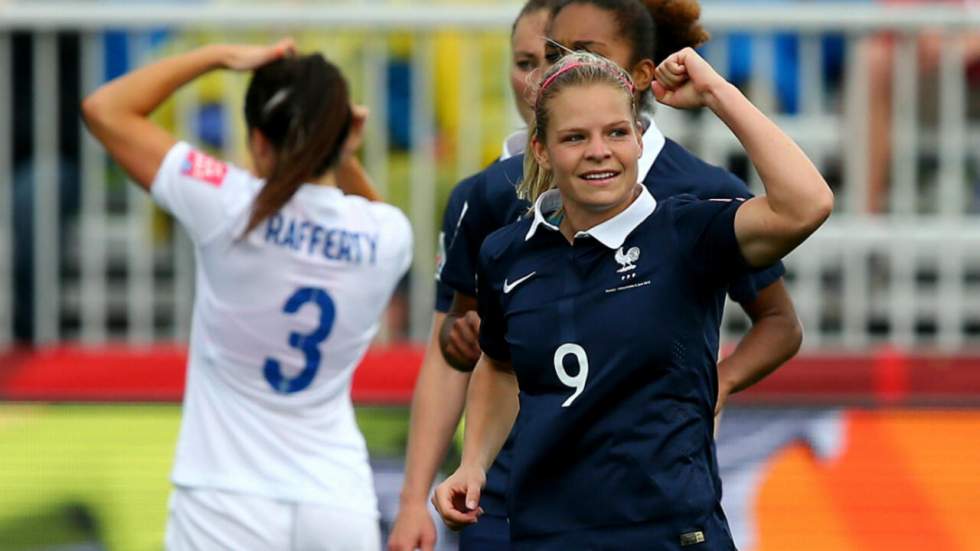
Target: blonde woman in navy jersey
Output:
[(594, 312), (633, 34), (292, 278)]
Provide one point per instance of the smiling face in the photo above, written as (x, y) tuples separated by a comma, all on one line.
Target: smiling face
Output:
[(527, 58), (591, 146)]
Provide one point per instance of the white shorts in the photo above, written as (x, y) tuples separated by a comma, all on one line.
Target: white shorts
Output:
[(215, 520)]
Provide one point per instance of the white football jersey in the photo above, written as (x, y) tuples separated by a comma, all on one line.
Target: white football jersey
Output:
[(281, 319)]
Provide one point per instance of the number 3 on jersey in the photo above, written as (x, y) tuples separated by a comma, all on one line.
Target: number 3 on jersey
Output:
[(576, 381), (308, 344)]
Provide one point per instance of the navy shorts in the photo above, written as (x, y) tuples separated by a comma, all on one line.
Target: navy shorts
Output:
[(710, 535), (490, 533)]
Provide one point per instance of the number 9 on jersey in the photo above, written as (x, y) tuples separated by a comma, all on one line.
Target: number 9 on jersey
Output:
[(576, 381)]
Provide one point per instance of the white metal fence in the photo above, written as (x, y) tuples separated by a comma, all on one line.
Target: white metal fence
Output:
[(111, 267)]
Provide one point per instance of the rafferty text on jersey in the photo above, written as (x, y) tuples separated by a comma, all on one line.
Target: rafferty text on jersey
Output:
[(313, 239)]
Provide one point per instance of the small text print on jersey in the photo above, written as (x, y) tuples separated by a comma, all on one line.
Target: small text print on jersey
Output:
[(315, 240)]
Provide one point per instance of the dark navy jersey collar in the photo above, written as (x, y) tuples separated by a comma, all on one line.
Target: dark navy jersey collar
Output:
[(611, 233)]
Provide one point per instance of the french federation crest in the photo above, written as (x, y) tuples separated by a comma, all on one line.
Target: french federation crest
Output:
[(627, 260)]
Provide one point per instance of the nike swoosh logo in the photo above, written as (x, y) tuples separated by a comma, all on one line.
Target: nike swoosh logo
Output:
[(508, 287)]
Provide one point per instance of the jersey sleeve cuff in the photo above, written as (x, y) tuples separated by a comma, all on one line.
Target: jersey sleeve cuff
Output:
[(164, 178), (746, 289)]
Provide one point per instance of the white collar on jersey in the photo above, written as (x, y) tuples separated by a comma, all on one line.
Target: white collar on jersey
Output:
[(514, 145), (653, 144), (611, 233)]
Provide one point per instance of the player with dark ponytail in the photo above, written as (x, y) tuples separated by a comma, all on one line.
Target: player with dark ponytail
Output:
[(293, 276), (300, 105)]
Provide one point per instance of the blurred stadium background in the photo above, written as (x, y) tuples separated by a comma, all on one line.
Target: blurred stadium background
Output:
[(869, 440)]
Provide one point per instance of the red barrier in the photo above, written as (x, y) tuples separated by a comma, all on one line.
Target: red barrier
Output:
[(884, 377), (387, 376), (120, 373)]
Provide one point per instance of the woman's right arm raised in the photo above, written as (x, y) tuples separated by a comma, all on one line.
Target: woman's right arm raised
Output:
[(118, 112), (798, 199)]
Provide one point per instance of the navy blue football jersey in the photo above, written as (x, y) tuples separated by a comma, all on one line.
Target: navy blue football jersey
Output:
[(609, 340)]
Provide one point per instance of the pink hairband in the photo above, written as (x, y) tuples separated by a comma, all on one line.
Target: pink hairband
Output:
[(547, 82), (544, 85)]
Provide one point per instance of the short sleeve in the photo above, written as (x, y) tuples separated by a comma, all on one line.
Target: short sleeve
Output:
[(452, 217), (444, 297), (705, 234), (396, 239), (462, 249), (492, 203), (202, 192), (493, 328), (745, 288)]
